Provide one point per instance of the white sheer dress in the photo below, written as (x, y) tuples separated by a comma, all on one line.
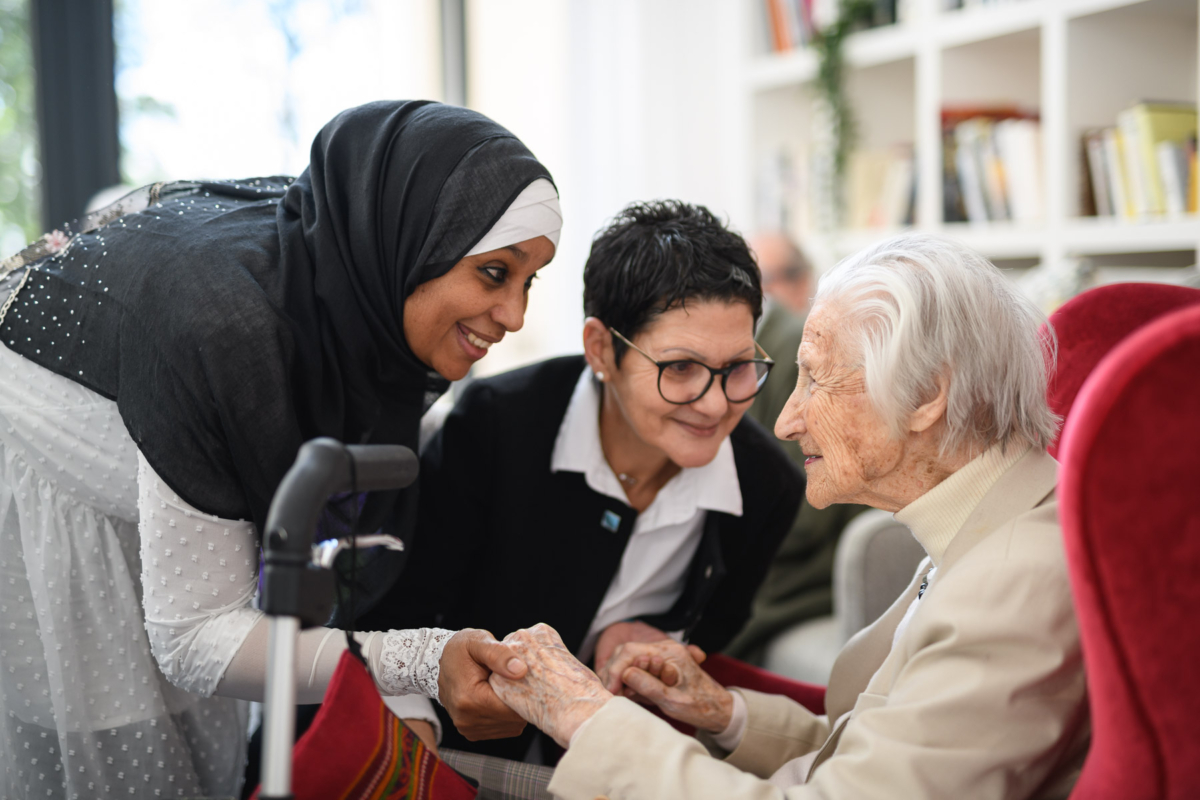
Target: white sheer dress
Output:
[(122, 651)]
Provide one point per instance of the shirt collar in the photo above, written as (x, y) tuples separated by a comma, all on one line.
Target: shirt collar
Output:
[(936, 516), (714, 486)]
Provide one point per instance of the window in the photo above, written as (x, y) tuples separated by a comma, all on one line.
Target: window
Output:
[(20, 170), (236, 88)]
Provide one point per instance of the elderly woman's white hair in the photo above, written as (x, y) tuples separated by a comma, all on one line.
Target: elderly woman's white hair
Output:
[(918, 306)]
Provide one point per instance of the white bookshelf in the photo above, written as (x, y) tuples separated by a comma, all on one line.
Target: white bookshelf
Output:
[(1076, 62)]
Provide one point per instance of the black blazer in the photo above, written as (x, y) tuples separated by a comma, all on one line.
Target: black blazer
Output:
[(503, 543)]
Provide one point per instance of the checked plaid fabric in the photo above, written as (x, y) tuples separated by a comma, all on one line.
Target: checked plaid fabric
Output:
[(501, 779)]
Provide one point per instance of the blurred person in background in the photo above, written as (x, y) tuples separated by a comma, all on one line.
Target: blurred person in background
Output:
[(798, 585), (620, 495)]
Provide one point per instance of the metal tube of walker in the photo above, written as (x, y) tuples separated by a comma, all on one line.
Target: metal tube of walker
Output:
[(279, 710), (322, 467)]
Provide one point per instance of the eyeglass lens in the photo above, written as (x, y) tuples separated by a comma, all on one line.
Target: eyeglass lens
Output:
[(686, 381)]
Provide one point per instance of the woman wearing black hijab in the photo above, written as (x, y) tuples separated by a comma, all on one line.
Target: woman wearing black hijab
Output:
[(158, 373)]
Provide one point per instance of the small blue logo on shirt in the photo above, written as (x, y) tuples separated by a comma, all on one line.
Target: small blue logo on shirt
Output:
[(611, 521)]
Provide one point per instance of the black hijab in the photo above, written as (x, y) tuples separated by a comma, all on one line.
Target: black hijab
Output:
[(232, 321)]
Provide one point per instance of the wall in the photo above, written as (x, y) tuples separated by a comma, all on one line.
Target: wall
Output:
[(623, 100)]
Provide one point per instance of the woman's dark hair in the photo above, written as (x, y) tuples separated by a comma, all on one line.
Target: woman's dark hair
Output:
[(658, 255)]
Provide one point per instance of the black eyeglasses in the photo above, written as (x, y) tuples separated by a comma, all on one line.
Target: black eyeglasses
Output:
[(686, 381)]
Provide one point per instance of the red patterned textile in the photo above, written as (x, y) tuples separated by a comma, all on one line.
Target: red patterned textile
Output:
[(1129, 500), (356, 749), (1090, 325)]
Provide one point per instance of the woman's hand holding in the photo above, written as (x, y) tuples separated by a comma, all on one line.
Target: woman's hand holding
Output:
[(470, 658), (668, 675), (558, 693)]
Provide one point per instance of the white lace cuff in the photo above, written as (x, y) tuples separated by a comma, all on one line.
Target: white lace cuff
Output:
[(409, 661)]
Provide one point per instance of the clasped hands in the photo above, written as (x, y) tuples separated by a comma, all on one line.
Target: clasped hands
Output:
[(534, 678)]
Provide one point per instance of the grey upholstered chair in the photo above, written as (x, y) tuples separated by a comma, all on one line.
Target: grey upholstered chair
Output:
[(875, 560)]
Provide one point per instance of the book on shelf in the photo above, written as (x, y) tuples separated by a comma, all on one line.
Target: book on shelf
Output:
[(1143, 166), (1172, 171), (788, 24), (992, 165), (1097, 199), (1137, 189), (880, 188), (1114, 161), (1193, 176)]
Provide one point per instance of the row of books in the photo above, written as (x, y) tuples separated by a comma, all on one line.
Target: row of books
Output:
[(1144, 166), (791, 23), (881, 188), (992, 165), (794, 190)]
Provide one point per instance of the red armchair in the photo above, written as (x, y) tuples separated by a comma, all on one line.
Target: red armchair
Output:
[(1090, 325), (731, 672), (1128, 500)]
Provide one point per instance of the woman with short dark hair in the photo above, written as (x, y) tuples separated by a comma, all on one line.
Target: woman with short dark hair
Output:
[(620, 495)]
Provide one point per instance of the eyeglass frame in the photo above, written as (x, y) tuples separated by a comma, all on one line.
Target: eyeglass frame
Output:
[(713, 372)]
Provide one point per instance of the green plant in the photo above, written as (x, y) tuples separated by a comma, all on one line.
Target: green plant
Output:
[(831, 78)]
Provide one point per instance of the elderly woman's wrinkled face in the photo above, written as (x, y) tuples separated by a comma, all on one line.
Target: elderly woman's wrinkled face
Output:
[(847, 447), (715, 333)]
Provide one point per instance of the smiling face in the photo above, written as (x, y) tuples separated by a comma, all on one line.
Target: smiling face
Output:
[(850, 455), (451, 321), (713, 332)]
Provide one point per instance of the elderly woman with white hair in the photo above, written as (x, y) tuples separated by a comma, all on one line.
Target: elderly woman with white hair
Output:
[(922, 391)]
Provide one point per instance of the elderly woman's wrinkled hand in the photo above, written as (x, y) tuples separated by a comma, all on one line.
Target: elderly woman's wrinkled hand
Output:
[(618, 634), (558, 693), (652, 662), (667, 674)]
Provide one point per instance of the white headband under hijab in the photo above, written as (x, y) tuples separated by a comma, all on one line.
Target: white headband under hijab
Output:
[(534, 213)]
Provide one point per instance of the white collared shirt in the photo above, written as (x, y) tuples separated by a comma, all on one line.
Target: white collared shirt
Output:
[(654, 567)]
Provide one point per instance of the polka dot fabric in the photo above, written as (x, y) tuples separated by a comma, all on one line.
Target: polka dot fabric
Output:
[(199, 575), (85, 711)]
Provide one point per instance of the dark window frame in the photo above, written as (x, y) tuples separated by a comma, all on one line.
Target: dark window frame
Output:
[(73, 56)]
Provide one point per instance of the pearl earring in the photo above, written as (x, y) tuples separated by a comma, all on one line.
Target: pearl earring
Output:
[(600, 376)]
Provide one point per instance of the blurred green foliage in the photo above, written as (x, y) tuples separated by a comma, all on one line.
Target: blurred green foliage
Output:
[(20, 171)]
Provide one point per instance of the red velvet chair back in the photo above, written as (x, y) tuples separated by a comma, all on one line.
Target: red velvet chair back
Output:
[(1129, 501), (731, 672), (1090, 325)]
